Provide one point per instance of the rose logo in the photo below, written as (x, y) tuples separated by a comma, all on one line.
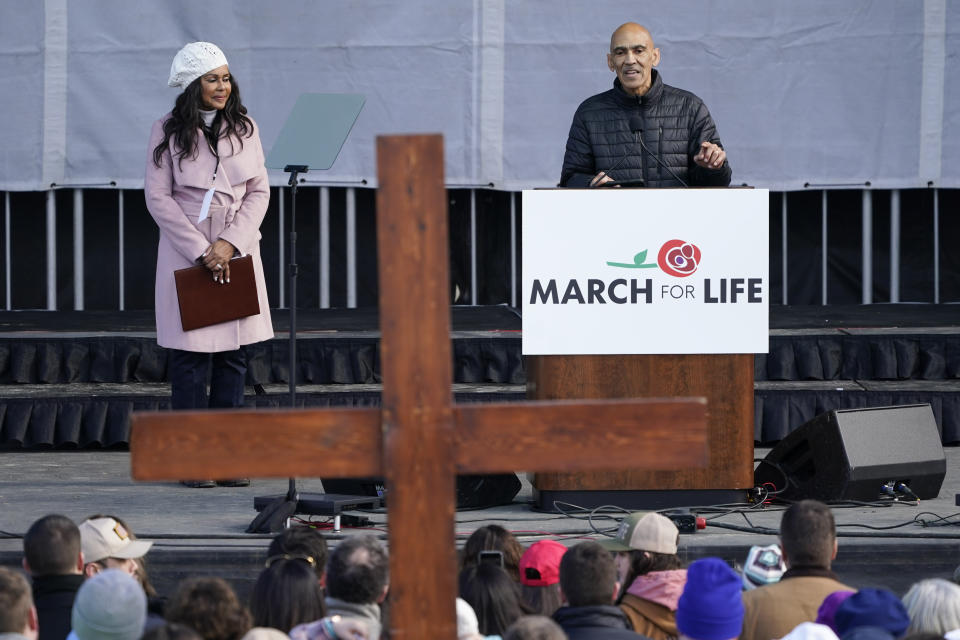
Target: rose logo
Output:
[(679, 258)]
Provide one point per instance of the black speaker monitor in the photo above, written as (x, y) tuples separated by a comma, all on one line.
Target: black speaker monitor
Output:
[(849, 454)]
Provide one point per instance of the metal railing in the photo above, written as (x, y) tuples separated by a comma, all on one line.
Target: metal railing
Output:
[(866, 248), (324, 211)]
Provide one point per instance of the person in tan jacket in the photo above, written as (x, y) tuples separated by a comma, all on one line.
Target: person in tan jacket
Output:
[(808, 539), (650, 572)]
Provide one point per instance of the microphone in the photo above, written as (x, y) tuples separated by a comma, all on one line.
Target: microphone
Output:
[(659, 161), (636, 127)]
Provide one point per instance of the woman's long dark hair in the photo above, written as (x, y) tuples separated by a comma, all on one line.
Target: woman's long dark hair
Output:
[(494, 596), (644, 562), (493, 537), (542, 601), (286, 594), (185, 120)]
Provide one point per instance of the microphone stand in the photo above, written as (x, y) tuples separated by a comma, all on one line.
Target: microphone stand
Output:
[(313, 135), (274, 515), (293, 170), (275, 512)]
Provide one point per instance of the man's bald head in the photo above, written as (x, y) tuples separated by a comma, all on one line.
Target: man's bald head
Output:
[(632, 57), (631, 31)]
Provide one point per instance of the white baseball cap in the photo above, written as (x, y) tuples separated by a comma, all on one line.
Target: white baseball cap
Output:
[(103, 538), (644, 531)]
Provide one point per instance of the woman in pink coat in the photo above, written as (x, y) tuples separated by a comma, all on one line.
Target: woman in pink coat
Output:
[(206, 186)]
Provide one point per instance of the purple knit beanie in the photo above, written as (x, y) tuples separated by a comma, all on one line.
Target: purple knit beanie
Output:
[(872, 608), (711, 607), (828, 608)]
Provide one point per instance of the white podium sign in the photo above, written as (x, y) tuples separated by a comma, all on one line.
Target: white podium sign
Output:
[(637, 271)]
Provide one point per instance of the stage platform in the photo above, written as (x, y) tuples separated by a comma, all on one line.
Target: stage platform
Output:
[(70, 379), (200, 531)]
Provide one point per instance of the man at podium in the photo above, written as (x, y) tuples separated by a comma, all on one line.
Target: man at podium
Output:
[(642, 132)]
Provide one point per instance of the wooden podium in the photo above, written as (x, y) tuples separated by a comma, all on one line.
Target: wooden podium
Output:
[(726, 381), (648, 293)]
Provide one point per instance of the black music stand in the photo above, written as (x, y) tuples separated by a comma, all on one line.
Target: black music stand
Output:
[(311, 138)]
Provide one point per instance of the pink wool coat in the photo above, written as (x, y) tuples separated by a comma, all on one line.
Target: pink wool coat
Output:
[(174, 193)]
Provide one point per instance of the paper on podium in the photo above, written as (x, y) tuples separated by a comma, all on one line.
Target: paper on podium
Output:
[(315, 130)]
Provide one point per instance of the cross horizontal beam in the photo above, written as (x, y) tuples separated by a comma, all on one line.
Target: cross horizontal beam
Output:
[(258, 444), (587, 435), (497, 437)]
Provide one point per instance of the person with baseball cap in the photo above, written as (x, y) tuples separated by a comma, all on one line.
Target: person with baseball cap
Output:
[(650, 572), (106, 544), (540, 576), (588, 581)]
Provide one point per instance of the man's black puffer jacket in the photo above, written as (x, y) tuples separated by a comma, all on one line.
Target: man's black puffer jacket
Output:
[(674, 122)]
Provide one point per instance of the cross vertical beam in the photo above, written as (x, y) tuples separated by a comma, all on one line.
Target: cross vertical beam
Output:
[(416, 366)]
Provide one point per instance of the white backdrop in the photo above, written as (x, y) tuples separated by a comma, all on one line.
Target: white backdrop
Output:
[(815, 91)]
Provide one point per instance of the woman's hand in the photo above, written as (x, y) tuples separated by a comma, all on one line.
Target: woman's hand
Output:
[(217, 259)]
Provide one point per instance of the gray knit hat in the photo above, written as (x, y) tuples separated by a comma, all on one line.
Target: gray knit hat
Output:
[(109, 606)]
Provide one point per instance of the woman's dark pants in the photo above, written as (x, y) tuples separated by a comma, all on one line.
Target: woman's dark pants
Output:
[(189, 370)]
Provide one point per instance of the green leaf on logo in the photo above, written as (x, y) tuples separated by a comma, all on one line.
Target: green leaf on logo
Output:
[(639, 262)]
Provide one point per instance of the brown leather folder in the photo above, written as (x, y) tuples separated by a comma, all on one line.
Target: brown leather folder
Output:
[(204, 302)]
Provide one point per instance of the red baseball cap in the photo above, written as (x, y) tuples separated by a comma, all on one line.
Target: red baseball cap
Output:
[(540, 564)]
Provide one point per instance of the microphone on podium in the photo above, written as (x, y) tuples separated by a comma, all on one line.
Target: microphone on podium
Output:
[(636, 127), (659, 161)]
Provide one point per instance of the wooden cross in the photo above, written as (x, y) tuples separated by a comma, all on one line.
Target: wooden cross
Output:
[(419, 439)]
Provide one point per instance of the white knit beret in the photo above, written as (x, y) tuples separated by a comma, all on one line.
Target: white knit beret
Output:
[(194, 60)]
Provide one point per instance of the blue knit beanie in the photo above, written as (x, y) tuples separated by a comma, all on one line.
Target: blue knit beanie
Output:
[(872, 608), (711, 607), (868, 633)]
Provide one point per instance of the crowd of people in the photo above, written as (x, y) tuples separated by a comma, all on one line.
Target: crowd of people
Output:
[(89, 582)]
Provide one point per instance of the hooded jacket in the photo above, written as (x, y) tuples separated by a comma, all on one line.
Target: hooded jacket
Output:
[(651, 603), (673, 123)]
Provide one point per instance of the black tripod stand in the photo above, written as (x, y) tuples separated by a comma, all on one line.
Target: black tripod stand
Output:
[(312, 136), (276, 511)]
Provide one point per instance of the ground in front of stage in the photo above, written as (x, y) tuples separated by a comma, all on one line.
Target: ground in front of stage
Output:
[(200, 531)]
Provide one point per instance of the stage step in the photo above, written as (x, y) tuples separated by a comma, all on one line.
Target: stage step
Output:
[(94, 415), (781, 407), (878, 353), (820, 358), (353, 357), (91, 415), (323, 357)]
